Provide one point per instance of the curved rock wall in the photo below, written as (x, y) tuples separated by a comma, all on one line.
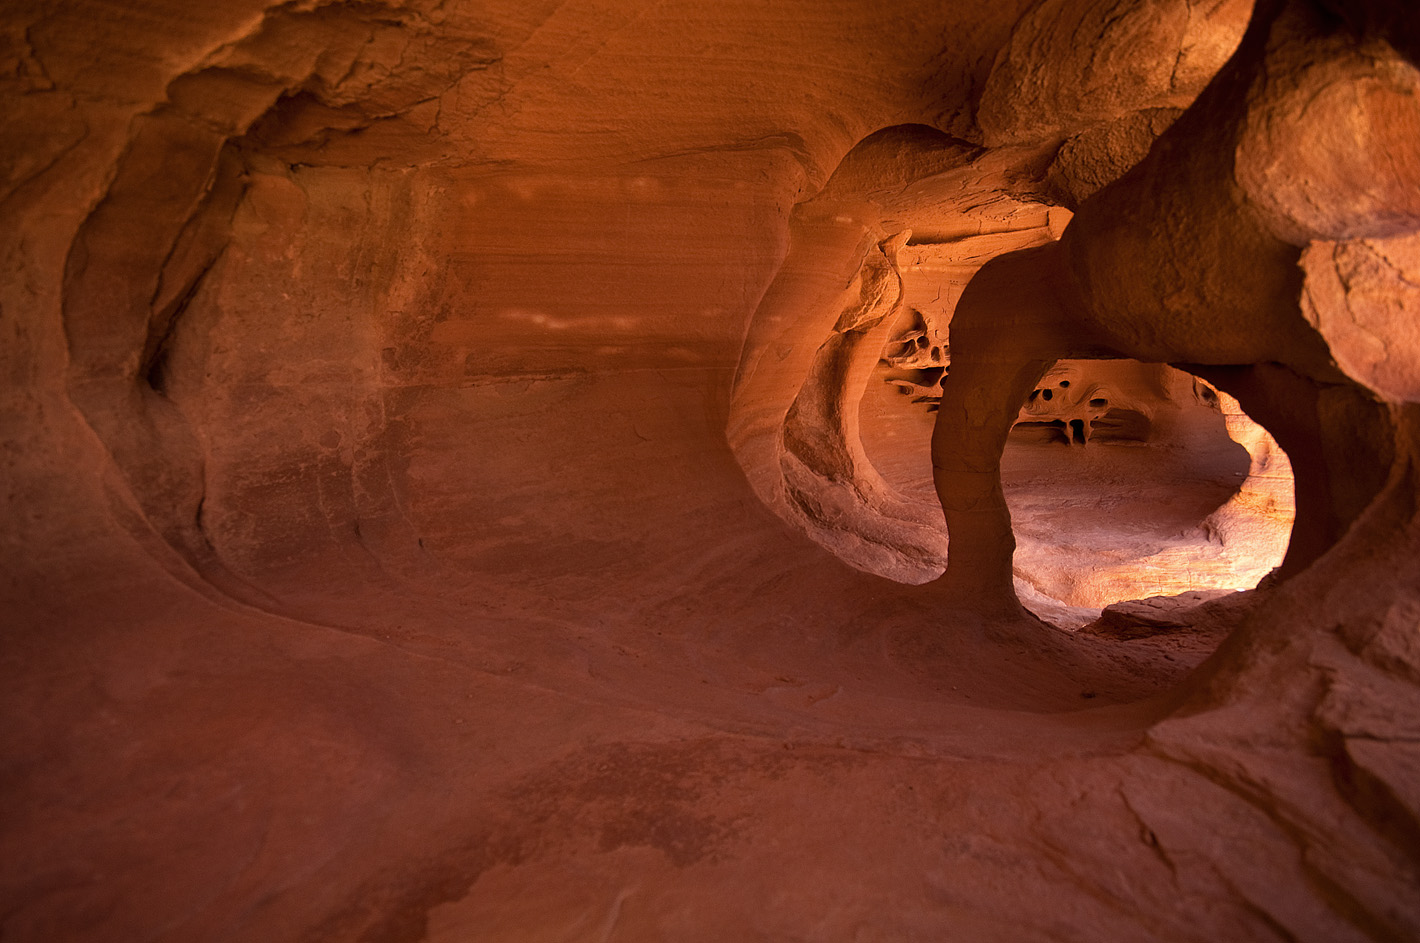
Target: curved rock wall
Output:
[(420, 421)]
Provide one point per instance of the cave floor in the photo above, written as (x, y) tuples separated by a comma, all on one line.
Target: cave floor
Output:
[(651, 724)]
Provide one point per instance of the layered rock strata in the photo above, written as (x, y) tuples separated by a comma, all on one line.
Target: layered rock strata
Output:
[(452, 490)]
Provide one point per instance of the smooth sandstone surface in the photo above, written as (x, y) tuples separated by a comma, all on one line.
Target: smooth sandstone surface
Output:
[(559, 471)]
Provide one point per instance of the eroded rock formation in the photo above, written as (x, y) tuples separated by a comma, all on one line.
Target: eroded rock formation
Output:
[(642, 471)]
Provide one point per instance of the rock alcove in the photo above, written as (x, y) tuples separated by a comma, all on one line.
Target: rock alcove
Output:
[(1182, 491), (457, 485)]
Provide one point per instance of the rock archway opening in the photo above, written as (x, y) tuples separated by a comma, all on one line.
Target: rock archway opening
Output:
[(1125, 480)]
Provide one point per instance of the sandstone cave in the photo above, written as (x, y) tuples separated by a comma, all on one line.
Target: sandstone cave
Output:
[(645, 470)]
